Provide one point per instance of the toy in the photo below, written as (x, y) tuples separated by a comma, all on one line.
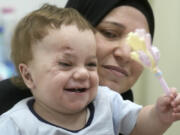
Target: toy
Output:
[(146, 54)]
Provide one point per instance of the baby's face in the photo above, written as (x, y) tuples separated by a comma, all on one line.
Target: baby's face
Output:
[(63, 70)]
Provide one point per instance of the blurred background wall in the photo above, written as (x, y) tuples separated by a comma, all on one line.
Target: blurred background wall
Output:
[(10, 13), (167, 39)]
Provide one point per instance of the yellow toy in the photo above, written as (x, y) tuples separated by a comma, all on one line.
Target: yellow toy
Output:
[(146, 54)]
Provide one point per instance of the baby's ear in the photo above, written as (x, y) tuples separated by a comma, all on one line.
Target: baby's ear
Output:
[(26, 75)]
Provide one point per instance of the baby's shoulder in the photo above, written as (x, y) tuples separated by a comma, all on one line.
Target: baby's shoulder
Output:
[(16, 112)]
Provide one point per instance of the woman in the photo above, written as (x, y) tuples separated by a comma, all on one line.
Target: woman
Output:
[(113, 19)]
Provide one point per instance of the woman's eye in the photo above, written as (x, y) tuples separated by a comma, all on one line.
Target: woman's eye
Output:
[(109, 34)]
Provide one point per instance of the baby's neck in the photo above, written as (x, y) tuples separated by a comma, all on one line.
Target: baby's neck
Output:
[(74, 121)]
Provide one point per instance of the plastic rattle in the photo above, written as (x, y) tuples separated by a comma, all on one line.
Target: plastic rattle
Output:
[(147, 55)]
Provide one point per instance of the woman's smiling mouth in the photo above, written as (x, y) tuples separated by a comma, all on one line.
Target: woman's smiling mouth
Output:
[(116, 70)]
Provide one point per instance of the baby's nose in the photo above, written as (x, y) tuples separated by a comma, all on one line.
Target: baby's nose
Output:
[(81, 74)]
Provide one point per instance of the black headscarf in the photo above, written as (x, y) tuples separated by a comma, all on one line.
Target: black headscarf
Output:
[(95, 10)]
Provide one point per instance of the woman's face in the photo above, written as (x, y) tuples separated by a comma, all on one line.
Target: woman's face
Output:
[(116, 69)]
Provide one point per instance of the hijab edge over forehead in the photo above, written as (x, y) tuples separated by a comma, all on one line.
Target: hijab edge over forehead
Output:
[(95, 10), (144, 7)]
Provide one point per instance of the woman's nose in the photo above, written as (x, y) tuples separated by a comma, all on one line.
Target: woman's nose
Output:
[(123, 52), (81, 74)]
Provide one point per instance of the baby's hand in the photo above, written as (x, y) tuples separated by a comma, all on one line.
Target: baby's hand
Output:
[(176, 107), (168, 107)]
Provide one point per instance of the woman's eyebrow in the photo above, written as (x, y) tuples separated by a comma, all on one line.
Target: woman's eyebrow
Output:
[(114, 24)]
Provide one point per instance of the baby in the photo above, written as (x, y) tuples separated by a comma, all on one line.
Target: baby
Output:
[(54, 50)]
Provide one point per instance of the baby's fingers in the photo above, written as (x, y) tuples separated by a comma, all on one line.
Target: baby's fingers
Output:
[(173, 93), (176, 116), (176, 100), (176, 109)]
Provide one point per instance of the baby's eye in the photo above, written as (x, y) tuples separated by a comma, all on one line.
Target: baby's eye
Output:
[(92, 64), (64, 64)]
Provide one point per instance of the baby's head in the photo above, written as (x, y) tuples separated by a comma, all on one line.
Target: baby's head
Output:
[(35, 26), (54, 50)]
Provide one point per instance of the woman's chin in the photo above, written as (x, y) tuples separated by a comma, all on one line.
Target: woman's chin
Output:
[(119, 87)]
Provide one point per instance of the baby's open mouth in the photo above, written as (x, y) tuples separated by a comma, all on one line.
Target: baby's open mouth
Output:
[(78, 90)]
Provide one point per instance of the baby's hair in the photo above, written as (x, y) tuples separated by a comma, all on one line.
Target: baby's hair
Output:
[(35, 26)]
